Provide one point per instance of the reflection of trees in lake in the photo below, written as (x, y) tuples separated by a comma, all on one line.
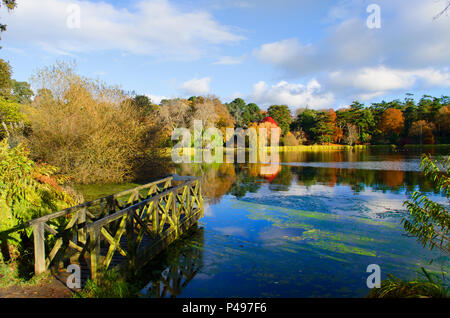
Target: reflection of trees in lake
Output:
[(238, 179), (216, 180), (247, 180), (172, 271), (323, 156), (359, 179), (283, 179), (393, 179)]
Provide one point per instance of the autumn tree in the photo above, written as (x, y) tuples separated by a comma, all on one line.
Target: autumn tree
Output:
[(212, 112), (338, 132), (290, 140), (423, 131), (268, 125), (89, 129), (443, 123), (351, 135), (5, 79), (391, 121), (175, 113)]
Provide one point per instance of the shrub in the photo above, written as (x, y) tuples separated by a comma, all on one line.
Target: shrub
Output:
[(11, 118), (290, 140), (93, 132), (27, 191)]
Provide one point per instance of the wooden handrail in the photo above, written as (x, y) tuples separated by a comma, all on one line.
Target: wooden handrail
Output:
[(117, 215), (83, 226), (168, 214), (54, 215)]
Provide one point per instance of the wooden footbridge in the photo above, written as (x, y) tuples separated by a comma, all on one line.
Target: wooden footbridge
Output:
[(123, 229)]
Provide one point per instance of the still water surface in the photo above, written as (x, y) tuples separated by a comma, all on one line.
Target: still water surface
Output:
[(308, 227)]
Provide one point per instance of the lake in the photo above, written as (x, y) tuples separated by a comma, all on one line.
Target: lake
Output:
[(306, 227)]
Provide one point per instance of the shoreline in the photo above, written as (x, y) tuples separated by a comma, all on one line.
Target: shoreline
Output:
[(167, 151)]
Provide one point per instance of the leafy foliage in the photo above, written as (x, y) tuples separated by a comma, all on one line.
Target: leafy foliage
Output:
[(5, 78), (10, 112), (429, 221), (90, 130), (426, 285), (27, 190), (392, 120), (21, 92), (282, 115), (423, 131), (244, 114)]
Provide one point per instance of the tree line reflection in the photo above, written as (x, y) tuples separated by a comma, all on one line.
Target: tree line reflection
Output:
[(238, 179)]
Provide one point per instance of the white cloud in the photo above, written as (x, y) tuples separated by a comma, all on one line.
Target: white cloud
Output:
[(156, 98), (196, 86), (411, 50), (292, 94), (230, 60), (372, 82), (287, 54), (374, 79), (148, 27)]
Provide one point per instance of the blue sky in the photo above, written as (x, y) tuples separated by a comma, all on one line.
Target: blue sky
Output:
[(319, 54)]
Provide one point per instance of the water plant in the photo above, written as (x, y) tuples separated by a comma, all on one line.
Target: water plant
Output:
[(426, 285)]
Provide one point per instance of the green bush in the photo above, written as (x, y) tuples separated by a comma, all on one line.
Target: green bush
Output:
[(10, 115), (27, 190)]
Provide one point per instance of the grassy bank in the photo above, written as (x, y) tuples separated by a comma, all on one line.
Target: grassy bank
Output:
[(10, 275), (167, 151)]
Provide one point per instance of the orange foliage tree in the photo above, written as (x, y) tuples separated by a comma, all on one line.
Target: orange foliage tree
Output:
[(423, 130), (338, 133), (392, 120)]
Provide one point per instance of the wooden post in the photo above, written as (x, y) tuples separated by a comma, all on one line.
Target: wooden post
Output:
[(94, 235), (174, 212), (155, 218), (82, 231), (200, 197), (39, 248), (131, 239), (188, 202)]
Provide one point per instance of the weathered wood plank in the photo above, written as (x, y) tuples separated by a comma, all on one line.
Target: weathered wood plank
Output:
[(39, 248)]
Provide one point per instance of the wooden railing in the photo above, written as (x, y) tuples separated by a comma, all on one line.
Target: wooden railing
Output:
[(140, 231), (67, 229)]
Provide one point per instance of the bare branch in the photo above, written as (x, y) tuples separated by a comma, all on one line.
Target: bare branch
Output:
[(447, 7)]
